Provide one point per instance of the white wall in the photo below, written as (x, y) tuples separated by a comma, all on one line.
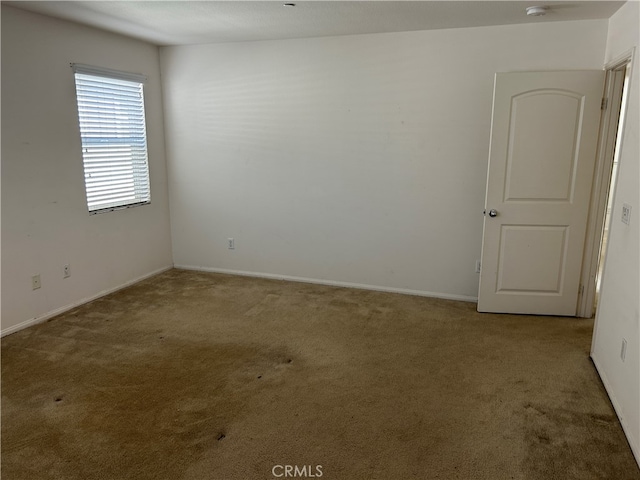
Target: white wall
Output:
[(357, 159), (618, 314), (45, 223)]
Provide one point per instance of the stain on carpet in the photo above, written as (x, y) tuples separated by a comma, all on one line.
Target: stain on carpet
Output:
[(563, 442), (91, 417)]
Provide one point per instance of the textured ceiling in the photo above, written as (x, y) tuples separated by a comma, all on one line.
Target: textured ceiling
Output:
[(191, 22)]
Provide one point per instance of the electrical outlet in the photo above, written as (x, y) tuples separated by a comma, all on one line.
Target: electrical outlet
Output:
[(626, 213), (66, 271), (231, 243), (623, 349), (478, 266), (35, 282)]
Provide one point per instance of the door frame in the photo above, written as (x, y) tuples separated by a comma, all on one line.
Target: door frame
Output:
[(612, 118)]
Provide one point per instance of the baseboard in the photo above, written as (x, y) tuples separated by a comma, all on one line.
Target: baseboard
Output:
[(71, 306), (635, 448), (332, 283)]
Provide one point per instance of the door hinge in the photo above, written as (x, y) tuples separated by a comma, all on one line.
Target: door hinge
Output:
[(581, 290), (603, 104)]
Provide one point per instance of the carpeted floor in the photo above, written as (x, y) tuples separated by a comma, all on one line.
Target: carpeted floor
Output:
[(197, 376)]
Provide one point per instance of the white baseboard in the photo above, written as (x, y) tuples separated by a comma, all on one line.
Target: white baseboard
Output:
[(635, 447), (332, 283), (66, 308)]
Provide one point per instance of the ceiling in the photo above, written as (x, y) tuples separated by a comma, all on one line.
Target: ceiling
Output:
[(192, 22)]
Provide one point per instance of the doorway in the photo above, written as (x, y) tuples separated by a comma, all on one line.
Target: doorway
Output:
[(612, 125), (620, 93), (543, 149)]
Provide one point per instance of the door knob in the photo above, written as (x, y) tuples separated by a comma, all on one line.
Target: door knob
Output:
[(493, 213)]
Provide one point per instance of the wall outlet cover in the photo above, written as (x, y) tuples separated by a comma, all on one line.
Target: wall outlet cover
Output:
[(626, 213)]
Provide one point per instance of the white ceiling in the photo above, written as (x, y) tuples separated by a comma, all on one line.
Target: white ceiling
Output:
[(192, 22)]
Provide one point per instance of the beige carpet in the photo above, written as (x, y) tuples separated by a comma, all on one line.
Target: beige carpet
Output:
[(201, 376)]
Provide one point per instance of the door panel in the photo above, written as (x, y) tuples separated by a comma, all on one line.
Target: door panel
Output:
[(544, 129), (543, 148), (526, 274)]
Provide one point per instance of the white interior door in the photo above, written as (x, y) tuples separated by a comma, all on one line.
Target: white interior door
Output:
[(544, 136)]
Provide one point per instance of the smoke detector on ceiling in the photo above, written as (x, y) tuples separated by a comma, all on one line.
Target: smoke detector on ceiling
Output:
[(537, 11)]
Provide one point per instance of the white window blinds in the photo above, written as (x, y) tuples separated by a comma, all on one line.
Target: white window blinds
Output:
[(114, 138)]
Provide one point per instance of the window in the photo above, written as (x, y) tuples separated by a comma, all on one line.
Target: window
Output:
[(114, 138)]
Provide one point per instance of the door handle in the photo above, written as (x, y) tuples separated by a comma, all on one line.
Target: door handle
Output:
[(493, 213)]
